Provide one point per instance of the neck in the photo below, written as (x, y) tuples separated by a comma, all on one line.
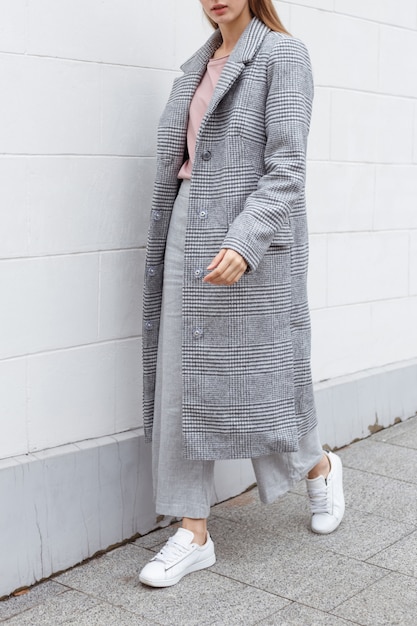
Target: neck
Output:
[(231, 33)]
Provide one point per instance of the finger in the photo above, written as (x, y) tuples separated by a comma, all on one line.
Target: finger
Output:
[(217, 259), (228, 280), (221, 268), (229, 269), (226, 274)]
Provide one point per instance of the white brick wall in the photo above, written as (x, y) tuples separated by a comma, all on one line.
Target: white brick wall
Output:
[(362, 181), (83, 85)]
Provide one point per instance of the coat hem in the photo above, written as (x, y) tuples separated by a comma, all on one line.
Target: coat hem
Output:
[(203, 446)]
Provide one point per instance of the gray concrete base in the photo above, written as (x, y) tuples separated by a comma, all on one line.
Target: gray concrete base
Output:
[(353, 407), (61, 506)]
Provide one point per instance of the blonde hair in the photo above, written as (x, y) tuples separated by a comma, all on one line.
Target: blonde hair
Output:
[(265, 11)]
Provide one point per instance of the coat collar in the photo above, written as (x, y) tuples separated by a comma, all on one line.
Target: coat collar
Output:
[(243, 52)]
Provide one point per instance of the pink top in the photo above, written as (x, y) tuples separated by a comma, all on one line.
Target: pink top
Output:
[(198, 107)]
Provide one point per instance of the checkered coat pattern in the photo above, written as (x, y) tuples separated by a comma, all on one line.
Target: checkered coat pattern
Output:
[(247, 388)]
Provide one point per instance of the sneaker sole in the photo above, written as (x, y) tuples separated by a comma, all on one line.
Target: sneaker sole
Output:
[(328, 530), (173, 581)]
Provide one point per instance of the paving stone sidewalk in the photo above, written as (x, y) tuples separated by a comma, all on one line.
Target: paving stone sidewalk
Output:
[(270, 570)]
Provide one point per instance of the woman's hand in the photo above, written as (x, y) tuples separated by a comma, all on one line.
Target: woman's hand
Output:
[(226, 268)]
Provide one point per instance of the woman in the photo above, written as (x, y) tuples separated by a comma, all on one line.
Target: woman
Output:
[(226, 321)]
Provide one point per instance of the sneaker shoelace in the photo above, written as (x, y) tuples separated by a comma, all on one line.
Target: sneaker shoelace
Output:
[(171, 552), (318, 500)]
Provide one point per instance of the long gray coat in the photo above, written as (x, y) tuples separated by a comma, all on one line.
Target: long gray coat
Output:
[(247, 387)]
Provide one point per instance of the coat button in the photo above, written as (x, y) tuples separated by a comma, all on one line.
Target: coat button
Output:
[(206, 155), (197, 333), (148, 325), (151, 271), (198, 273), (203, 214), (156, 216)]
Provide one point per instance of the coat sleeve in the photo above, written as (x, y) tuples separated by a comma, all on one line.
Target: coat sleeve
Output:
[(266, 213)]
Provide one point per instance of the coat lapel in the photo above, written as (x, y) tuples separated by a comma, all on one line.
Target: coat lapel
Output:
[(243, 53), (196, 66)]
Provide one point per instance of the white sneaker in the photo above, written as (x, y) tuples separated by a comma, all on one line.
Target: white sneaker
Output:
[(178, 557), (327, 501)]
